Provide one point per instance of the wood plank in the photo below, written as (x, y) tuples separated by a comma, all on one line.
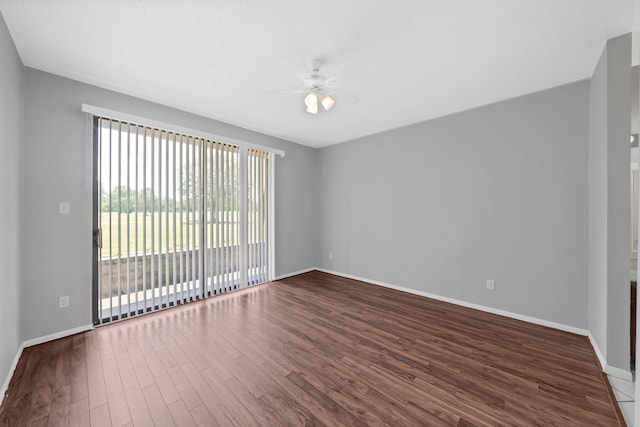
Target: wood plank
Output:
[(121, 353), (59, 414), (202, 417), (213, 401), (189, 395), (79, 413), (169, 392), (118, 408), (157, 407), (140, 415), (139, 364), (236, 411), (95, 379), (181, 415), (79, 378), (100, 416)]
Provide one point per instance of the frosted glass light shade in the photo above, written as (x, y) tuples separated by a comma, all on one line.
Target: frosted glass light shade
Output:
[(327, 102), (311, 99), (313, 108)]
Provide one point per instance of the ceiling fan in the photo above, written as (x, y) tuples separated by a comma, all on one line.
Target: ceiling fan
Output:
[(318, 89)]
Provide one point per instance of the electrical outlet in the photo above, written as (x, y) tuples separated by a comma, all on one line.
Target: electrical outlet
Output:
[(491, 284), (330, 255), (63, 302)]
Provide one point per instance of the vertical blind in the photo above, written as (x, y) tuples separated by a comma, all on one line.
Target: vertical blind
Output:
[(179, 218), (258, 230)]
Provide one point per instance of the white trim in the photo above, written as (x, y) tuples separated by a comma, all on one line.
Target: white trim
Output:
[(492, 310), (608, 369), (55, 336), (118, 115), (295, 273), (618, 373), (12, 369), (599, 355)]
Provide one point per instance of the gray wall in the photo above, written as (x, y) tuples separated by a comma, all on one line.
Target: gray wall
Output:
[(618, 200), (609, 220), (497, 192), (57, 147), (11, 85)]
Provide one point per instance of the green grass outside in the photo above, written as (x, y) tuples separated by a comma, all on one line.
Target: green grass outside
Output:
[(124, 234)]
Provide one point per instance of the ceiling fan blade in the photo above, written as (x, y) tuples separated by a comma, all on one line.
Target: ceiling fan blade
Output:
[(284, 91), (307, 80), (330, 83)]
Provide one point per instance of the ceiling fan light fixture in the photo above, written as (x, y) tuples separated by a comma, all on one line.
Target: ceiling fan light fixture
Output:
[(327, 102), (311, 101), (313, 109), (317, 89)]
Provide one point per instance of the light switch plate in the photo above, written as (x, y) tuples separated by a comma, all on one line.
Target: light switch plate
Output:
[(63, 208), (63, 302)]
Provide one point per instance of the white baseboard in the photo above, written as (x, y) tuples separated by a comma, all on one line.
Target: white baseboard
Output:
[(55, 336), (607, 369), (596, 348), (618, 373), (461, 303), (12, 369), (295, 273)]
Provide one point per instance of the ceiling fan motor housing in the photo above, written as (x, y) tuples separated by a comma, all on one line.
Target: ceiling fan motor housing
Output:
[(315, 65)]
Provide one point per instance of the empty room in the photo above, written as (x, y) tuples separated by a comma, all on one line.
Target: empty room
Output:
[(283, 213)]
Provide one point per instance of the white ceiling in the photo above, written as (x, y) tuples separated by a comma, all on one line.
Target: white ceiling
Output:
[(407, 61)]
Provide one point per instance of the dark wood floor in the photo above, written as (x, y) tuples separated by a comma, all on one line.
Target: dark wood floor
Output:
[(314, 349)]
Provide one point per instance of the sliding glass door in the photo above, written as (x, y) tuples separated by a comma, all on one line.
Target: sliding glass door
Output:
[(176, 217)]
